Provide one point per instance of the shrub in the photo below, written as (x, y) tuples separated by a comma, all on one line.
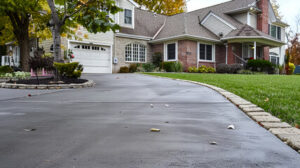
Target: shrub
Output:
[(69, 70), (172, 66), (157, 59), (133, 68), (292, 68), (6, 69), (193, 70), (232, 69), (211, 70), (124, 69), (248, 72), (22, 75), (260, 65), (202, 69), (148, 67)]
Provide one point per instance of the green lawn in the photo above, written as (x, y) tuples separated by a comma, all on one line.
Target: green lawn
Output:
[(283, 92)]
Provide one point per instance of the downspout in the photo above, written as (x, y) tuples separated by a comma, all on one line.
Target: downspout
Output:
[(226, 45)]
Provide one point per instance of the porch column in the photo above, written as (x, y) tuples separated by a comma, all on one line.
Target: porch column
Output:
[(226, 45), (255, 50)]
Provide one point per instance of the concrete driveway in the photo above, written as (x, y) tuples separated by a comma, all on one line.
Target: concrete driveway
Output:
[(108, 126)]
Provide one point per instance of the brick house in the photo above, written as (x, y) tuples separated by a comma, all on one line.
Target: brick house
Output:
[(230, 32)]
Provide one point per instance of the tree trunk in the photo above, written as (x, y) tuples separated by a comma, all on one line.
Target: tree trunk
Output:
[(57, 43), (24, 51)]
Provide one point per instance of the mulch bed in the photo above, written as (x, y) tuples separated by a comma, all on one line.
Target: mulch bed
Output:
[(49, 81)]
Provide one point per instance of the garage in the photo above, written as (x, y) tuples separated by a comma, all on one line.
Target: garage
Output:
[(94, 58)]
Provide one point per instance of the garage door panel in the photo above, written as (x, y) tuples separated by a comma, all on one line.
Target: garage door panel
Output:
[(93, 61)]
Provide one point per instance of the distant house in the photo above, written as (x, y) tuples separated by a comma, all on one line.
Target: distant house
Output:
[(230, 33)]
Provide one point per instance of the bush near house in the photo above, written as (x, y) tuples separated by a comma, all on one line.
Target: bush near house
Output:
[(260, 66), (6, 69), (291, 68), (230, 69), (157, 59), (133, 68), (201, 69), (172, 66), (69, 70), (124, 69), (148, 67)]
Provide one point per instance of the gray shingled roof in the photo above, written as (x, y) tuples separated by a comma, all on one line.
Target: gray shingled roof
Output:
[(146, 24)]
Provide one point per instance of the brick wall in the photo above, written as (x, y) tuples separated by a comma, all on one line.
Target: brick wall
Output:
[(262, 22), (187, 53), (220, 54)]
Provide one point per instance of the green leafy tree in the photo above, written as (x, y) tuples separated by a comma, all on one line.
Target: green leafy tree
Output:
[(91, 14), (167, 7), (17, 17)]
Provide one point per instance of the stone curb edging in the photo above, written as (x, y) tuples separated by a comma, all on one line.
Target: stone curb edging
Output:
[(89, 83), (285, 132)]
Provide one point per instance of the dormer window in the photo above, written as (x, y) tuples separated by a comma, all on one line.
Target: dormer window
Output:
[(128, 16), (275, 31)]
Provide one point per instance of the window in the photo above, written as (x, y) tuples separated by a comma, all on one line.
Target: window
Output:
[(274, 58), (95, 48), (205, 52), (135, 53), (77, 46), (128, 16), (86, 47), (275, 31), (171, 51)]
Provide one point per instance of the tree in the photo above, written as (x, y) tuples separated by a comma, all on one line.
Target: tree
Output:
[(295, 50), (16, 20), (91, 14), (167, 7)]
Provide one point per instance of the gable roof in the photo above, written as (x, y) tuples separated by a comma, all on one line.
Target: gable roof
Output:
[(161, 27)]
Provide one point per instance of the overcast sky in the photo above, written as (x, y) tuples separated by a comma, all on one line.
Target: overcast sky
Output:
[(289, 9)]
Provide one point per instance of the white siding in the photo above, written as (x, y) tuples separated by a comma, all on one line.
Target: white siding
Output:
[(253, 20), (125, 4), (216, 26), (242, 17)]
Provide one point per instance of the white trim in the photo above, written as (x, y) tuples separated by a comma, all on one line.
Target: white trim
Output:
[(255, 57), (184, 36), (94, 43), (226, 45), (248, 19), (253, 37), (213, 53), (160, 29), (134, 3), (166, 51), (139, 44), (133, 36), (216, 16)]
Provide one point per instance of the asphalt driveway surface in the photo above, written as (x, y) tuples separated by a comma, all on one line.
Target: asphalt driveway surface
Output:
[(108, 126)]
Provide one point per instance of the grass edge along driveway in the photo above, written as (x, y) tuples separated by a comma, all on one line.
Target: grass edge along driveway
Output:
[(276, 94)]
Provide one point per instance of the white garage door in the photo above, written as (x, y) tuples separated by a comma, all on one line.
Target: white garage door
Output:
[(94, 58)]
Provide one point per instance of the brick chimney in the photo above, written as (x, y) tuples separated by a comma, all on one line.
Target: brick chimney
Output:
[(263, 17), (262, 23)]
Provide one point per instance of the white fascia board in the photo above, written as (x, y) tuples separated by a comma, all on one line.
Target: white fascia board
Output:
[(90, 42), (253, 37), (216, 16), (133, 36), (185, 36), (134, 3)]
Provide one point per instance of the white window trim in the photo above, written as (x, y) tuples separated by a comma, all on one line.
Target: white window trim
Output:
[(138, 53), (213, 52), (166, 51)]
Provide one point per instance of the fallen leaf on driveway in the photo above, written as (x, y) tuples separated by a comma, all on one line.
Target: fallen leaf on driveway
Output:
[(167, 122), (151, 105), (29, 95), (213, 143), (232, 127), (166, 105), (154, 130), (29, 129)]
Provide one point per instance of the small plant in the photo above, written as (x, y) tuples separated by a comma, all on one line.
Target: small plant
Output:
[(124, 69), (211, 70), (202, 69), (133, 68), (291, 68), (193, 70), (230, 69), (69, 70), (21, 75), (246, 72), (260, 66)]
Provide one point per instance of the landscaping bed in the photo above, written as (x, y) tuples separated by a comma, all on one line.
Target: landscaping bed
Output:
[(49, 81), (276, 94)]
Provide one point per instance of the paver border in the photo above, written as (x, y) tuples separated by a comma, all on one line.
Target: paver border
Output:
[(89, 83), (285, 132)]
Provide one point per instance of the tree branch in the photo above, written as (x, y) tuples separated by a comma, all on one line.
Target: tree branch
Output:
[(77, 11)]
